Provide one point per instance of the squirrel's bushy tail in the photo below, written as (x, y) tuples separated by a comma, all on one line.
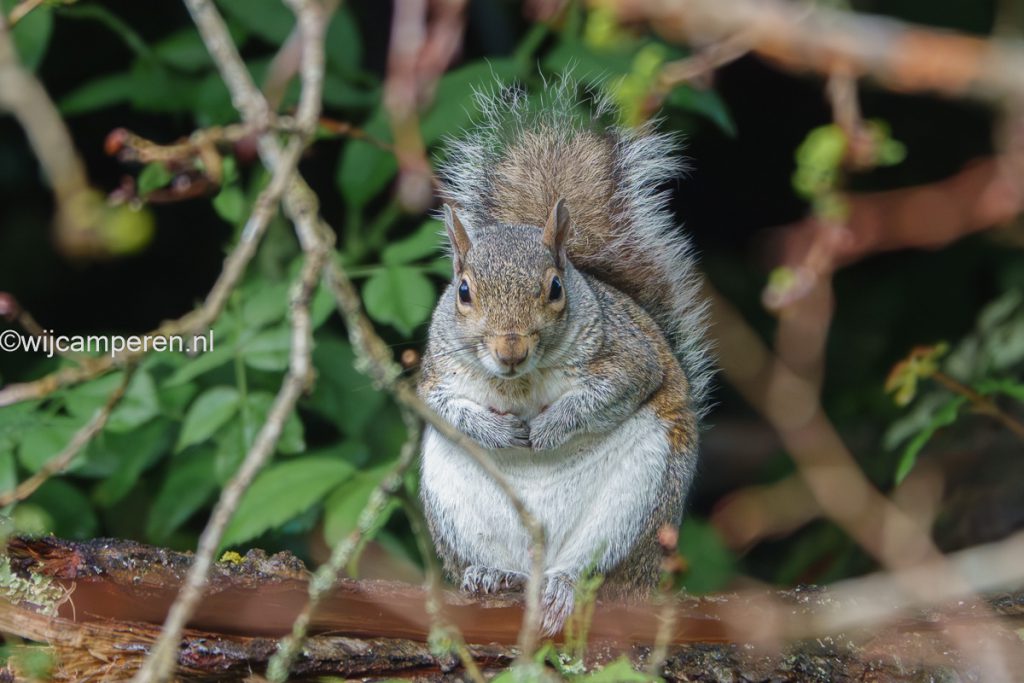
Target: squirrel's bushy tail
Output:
[(526, 153)]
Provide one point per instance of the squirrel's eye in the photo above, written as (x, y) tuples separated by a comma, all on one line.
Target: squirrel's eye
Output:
[(555, 293), (464, 292)]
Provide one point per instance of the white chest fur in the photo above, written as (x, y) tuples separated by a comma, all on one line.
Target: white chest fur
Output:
[(593, 495)]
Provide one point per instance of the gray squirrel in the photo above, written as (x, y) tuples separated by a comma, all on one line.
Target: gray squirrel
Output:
[(570, 344)]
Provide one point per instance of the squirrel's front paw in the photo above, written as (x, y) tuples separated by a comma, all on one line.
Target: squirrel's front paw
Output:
[(479, 579), (557, 603), (550, 430), (505, 430)]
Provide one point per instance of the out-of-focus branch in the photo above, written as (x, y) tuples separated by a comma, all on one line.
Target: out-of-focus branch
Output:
[(983, 195), (160, 664), (900, 56), (21, 10), (23, 95), (288, 60), (235, 264), (698, 66), (419, 52), (789, 400)]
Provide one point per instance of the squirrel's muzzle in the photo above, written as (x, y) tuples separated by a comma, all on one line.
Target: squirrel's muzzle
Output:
[(511, 351)]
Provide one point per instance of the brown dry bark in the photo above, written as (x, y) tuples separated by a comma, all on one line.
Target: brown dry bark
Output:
[(119, 592)]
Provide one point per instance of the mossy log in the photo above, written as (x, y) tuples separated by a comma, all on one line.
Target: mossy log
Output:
[(116, 594)]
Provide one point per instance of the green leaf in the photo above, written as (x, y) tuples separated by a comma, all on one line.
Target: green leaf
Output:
[(139, 404), (264, 302), (99, 93), (19, 419), (230, 204), (1007, 387), (235, 439), (72, 515), (322, 306), (184, 50), (426, 241), (945, 416), (189, 484), (342, 394), (153, 177), (914, 420), (8, 468), (343, 507), (268, 350), (292, 440), (268, 19), (343, 44), (366, 169), (157, 89), (706, 103), (134, 453), (31, 34), (284, 491), (340, 93), (453, 101), (232, 445), (998, 312), (200, 365), (207, 414), (399, 296), (40, 445), (711, 564)]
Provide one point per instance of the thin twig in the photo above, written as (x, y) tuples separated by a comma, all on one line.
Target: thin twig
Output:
[(160, 663), (21, 10), (982, 404), (327, 574), (23, 95), (898, 55), (376, 360), (698, 65), (60, 462), (442, 631)]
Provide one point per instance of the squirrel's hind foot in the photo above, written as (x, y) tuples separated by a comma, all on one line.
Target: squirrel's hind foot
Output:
[(557, 603), (479, 579)]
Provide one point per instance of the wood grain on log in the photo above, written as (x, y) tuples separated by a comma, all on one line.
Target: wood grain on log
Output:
[(119, 592)]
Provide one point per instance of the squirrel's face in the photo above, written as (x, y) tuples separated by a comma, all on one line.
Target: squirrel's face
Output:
[(509, 293)]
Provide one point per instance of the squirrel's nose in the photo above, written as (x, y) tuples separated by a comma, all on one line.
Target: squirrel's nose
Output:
[(511, 350)]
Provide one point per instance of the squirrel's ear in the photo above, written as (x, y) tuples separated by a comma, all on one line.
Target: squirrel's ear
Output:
[(556, 231), (457, 236)]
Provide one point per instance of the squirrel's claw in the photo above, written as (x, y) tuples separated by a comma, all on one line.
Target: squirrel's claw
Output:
[(484, 580), (548, 431), (557, 603), (510, 431)]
